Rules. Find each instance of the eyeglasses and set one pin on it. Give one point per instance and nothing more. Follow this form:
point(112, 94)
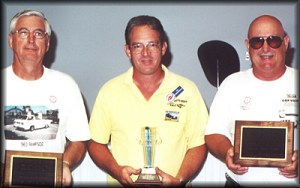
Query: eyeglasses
point(273, 41)
point(152, 47)
point(24, 33)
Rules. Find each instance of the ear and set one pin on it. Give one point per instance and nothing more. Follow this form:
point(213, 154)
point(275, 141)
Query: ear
point(247, 44)
point(164, 48)
point(48, 44)
point(127, 51)
point(286, 40)
point(10, 40)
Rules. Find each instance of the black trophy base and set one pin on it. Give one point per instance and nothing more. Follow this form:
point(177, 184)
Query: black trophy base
point(148, 180)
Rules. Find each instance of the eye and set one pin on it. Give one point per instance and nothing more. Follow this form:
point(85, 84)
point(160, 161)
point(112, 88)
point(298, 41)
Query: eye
point(153, 45)
point(38, 33)
point(23, 32)
point(137, 46)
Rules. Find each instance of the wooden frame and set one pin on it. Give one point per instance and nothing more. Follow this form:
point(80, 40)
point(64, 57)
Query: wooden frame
point(28, 169)
point(263, 143)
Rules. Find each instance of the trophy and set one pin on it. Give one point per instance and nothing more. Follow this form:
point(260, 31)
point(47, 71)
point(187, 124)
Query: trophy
point(148, 176)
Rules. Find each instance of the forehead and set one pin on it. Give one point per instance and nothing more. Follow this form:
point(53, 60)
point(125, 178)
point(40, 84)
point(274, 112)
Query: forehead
point(30, 22)
point(144, 33)
point(266, 27)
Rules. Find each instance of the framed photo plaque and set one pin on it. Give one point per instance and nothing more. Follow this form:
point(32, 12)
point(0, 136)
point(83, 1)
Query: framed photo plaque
point(263, 143)
point(32, 169)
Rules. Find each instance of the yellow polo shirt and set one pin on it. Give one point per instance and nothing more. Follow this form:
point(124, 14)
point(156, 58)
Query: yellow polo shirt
point(176, 109)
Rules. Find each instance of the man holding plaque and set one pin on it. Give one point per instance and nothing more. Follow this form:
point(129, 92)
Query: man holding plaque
point(147, 125)
point(265, 92)
point(43, 108)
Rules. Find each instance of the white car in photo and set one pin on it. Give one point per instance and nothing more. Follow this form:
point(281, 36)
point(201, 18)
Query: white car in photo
point(31, 123)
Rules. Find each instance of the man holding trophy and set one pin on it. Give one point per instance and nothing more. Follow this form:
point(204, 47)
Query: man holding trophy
point(147, 124)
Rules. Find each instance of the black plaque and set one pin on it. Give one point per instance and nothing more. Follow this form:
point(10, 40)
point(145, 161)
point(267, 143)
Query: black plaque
point(33, 169)
point(263, 143)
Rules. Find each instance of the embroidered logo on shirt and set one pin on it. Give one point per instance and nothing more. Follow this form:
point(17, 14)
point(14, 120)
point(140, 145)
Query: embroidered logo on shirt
point(172, 116)
point(246, 104)
point(172, 96)
point(288, 111)
point(53, 99)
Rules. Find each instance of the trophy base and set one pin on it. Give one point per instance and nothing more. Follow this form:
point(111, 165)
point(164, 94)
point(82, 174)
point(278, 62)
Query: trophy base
point(148, 178)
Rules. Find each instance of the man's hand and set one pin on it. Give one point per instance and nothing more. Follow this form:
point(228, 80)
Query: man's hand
point(167, 179)
point(124, 176)
point(291, 170)
point(235, 168)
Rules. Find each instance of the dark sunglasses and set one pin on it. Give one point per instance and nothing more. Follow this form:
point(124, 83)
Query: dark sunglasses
point(258, 42)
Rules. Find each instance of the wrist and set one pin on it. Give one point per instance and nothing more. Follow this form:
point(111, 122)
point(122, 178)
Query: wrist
point(66, 163)
point(182, 182)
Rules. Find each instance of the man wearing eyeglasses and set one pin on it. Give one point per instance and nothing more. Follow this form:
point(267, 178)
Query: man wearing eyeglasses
point(148, 101)
point(51, 96)
point(265, 92)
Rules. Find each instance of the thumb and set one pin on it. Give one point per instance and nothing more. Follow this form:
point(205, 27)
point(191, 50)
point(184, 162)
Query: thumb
point(158, 171)
point(230, 152)
point(136, 171)
point(295, 156)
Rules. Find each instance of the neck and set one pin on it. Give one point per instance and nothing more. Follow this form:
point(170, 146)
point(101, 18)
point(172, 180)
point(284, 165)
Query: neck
point(28, 72)
point(149, 79)
point(148, 84)
point(269, 75)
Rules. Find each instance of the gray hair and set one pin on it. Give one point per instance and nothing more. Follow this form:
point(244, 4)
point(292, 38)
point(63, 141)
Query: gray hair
point(39, 14)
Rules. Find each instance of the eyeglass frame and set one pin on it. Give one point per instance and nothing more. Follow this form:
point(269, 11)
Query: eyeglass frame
point(28, 33)
point(156, 46)
point(266, 39)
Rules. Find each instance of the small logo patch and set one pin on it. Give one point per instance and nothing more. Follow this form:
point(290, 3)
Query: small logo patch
point(171, 96)
point(172, 116)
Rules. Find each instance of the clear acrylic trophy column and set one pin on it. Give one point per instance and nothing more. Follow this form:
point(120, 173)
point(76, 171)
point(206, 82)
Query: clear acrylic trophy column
point(148, 176)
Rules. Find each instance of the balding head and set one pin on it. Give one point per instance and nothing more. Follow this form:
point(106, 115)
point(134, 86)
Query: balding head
point(266, 52)
point(265, 23)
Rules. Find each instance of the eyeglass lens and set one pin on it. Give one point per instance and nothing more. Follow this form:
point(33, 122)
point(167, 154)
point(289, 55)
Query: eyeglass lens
point(152, 47)
point(24, 33)
point(258, 42)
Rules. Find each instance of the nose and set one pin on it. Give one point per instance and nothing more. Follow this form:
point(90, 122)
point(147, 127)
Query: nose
point(265, 46)
point(31, 37)
point(145, 50)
